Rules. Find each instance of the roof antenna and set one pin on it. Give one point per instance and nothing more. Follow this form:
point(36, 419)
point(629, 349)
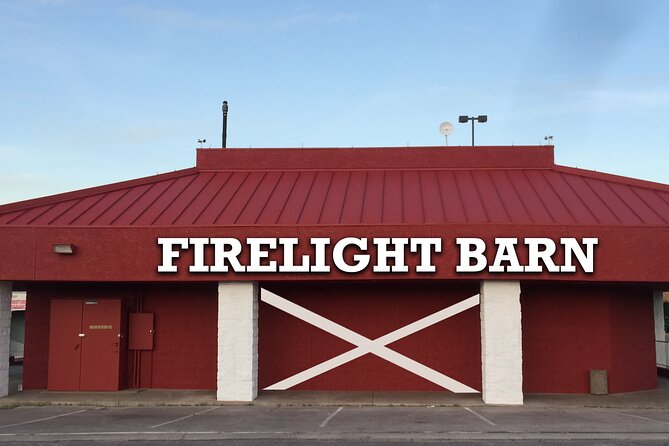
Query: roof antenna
point(225, 124)
point(446, 128)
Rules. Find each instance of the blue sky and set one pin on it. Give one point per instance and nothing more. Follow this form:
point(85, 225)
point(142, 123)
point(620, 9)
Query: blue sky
point(93, 92)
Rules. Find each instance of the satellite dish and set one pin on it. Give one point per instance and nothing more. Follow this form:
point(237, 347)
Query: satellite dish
point(446, 128)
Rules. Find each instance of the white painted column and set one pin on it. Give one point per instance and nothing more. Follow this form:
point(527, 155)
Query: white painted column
point(501, 342)
point(237, 341)
point(5, 325)
point(660, 347)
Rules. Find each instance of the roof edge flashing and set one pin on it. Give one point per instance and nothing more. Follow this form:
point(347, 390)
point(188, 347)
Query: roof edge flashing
point(88, 191)
point(483, 157)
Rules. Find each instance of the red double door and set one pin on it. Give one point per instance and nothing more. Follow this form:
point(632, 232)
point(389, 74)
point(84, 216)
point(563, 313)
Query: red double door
point(84, 344)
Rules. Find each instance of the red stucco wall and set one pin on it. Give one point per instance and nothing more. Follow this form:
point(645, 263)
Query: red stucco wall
point(570, 329)
point(36, 347)
point(567, 330)
point(184, 354)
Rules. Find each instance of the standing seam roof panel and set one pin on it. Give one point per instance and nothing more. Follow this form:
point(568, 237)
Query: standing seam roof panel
point(589, 199)
point(77, 210)
point(278, 198)
point(107, 205)
point(183, 199)
point(654, 199)
point(313, 205)
point(30, 215)
point(334, 200)
point(535, 207)
point(412, 198)
point(433, 208)
point(623, 212)
point(355, 198)
point(222, 198)
point(452, 203)
point(135, 208)
point(119, 203)
point(549, 197)
point(632, 200)
point(231, 212)
point(54, 212)
point(508, 196)
point(372, 208)
point(258, 201)
point(392, 197)
point(8, 217)
point(471, 200)
point(166, 199)
point(292, 210)
point(197, 205)
point(490, 197)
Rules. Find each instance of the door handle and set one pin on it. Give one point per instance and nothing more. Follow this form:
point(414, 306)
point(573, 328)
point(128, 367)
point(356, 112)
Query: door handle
point(81, 335)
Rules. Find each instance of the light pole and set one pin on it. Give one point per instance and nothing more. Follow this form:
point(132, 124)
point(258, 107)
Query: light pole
point(480, 118)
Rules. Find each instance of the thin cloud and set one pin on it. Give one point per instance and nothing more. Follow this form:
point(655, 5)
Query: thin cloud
point(315, 18)
point(611, 100)
point(182, 19)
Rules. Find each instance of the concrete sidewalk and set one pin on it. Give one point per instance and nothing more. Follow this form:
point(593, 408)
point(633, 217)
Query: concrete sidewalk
point(649, 399)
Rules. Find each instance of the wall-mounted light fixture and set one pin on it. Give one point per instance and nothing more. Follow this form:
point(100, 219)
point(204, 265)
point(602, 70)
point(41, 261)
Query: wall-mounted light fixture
point(63, 248)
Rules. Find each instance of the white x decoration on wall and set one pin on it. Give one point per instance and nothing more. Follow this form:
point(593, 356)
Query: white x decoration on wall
point(365, 345)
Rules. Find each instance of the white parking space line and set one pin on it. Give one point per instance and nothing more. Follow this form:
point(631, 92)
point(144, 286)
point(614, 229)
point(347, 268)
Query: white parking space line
point(480, 416)
point(149, 433)
point(643, 418)
point(184, 418)
point(331, 416)
point(42, 419)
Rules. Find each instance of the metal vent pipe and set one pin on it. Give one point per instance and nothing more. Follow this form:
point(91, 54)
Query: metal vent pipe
point(224, 137)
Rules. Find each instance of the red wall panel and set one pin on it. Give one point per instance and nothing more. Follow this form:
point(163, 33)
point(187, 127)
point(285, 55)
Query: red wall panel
point(632, 340)
point(36, 347)
point(184, 354)
point(288, 345)
point(570, 329)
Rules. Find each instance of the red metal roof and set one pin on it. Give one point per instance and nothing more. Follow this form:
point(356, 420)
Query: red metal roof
point(424, 185)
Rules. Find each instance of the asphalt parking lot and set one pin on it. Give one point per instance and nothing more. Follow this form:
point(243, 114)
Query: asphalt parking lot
point(251, 425)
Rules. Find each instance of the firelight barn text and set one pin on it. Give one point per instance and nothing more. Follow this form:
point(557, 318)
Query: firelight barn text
point(271, 255)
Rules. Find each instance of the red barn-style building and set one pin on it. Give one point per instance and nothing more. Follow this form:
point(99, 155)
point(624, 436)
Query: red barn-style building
point(343, 269)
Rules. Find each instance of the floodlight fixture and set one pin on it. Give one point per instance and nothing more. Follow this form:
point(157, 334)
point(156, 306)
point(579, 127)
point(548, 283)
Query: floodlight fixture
point(462, 119)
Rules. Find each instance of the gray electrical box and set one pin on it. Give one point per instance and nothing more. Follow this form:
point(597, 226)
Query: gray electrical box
point(599, 382)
